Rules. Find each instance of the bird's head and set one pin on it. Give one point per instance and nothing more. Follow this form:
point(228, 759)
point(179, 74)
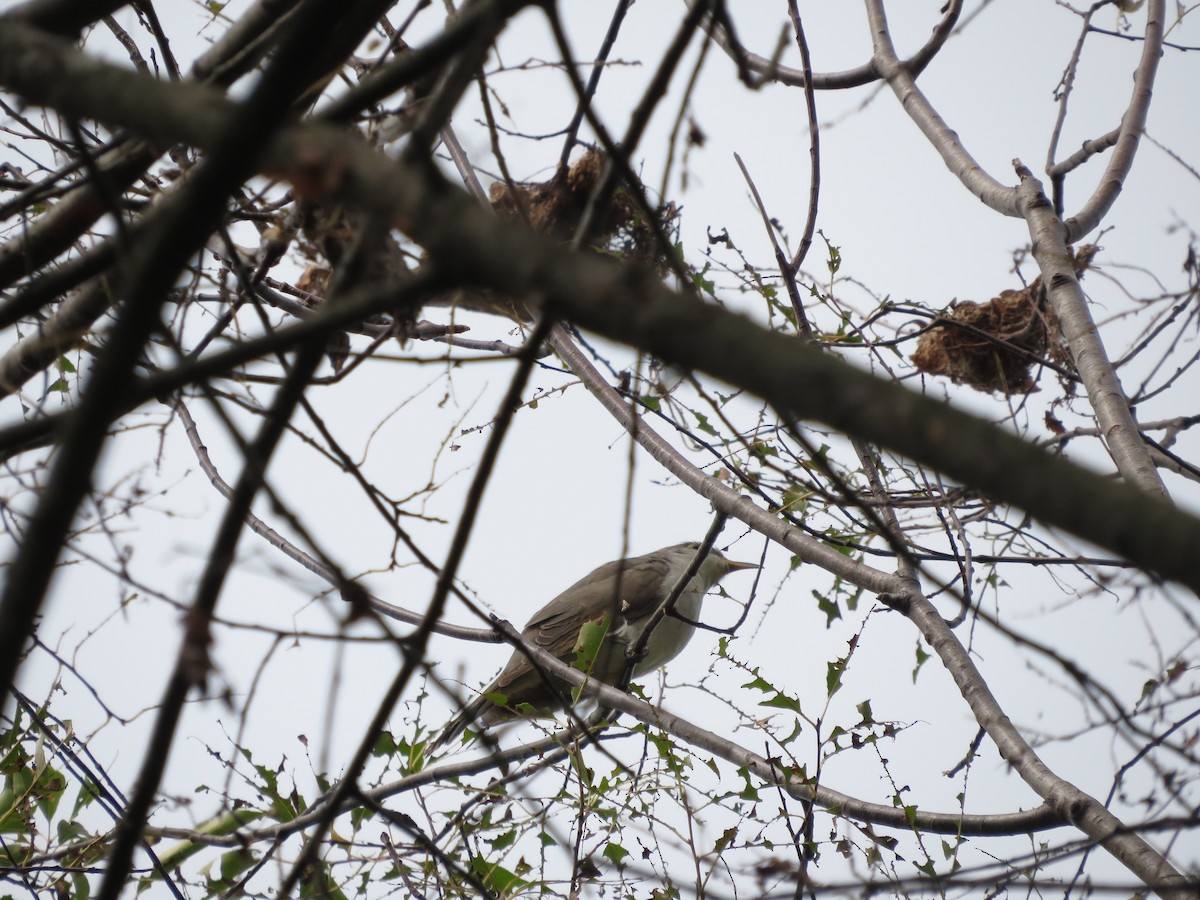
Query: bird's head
point(715, 566)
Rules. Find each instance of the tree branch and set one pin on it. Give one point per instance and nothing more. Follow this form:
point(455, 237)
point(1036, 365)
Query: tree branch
point(1107, 397)
point(634, 307)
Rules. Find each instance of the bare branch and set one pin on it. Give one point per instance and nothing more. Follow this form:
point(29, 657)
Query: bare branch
point(997, 196)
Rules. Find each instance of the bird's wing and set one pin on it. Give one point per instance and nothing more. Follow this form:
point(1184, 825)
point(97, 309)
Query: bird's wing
point(555, 627)
point(630, 589)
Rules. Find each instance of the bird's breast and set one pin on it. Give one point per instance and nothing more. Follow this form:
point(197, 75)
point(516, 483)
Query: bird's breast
point(669, 637)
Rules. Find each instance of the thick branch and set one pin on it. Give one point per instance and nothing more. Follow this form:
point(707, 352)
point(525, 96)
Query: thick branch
point(1074, 805)
point(1107, 397)
point(633, 307)
point(1130, 133)
point(65, 17)
point(772, 773)
point(999, 197)
point(723, 498)
point(849, 78)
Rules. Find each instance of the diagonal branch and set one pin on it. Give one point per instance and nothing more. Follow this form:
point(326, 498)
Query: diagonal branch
point(945, 141)
point(1050, 237)
point(850, 78)
point(1109, 185)
point(1113, 414)
point(634, 307)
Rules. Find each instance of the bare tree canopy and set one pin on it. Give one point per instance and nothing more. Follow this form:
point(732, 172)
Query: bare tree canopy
point(344, 339)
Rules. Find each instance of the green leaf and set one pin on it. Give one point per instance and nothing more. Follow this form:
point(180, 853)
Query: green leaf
point(833, 675)
point(829, 607)
point(651, 402)
point(359, 815)
point(796, 729)
point(505, 840)
point(778, 699)
point(88, 793)
point(728, 836)
point(749, 791)
point(762, 449)
point(80, 888)
point(496, 877)
point(235, 862)
point(703, 283)
point(834, 260)
point(864, 710)
point(782, 701)
point(498, 698)
point(50, 786)
point(760, 684)
point(587, 648)
point(702, 423)
point(796, 502)
point(385, 744)
point(921, 657)
point(69, 830)
point(666, 752)
point(615, 853)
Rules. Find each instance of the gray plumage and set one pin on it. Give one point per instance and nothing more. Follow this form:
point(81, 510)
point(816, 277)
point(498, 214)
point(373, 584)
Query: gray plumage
point(630, 590)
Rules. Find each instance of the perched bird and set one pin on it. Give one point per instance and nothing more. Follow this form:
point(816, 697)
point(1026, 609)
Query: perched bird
point(623, 595)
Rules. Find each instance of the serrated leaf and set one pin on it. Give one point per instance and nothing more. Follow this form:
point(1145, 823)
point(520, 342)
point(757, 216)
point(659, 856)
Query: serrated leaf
point(615, 853)
point(728, 836)
point(70, 830)
point(497, 877)
point(749, 791)
point(760, 684)
point(922, 656)
point(799, 726)
point(385, 744)
point(587, 647)
point(833, 675)
point(829, 607)
point(234, 863)
point(782, 701)
point(864, 710)
point(505, 840)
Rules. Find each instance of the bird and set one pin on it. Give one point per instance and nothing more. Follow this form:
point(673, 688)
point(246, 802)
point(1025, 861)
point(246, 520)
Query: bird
point(623, 595)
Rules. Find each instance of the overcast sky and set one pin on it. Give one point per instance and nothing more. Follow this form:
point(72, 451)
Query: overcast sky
point(568, 490)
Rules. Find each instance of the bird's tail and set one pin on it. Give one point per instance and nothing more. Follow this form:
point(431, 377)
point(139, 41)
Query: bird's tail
point(464, 717)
